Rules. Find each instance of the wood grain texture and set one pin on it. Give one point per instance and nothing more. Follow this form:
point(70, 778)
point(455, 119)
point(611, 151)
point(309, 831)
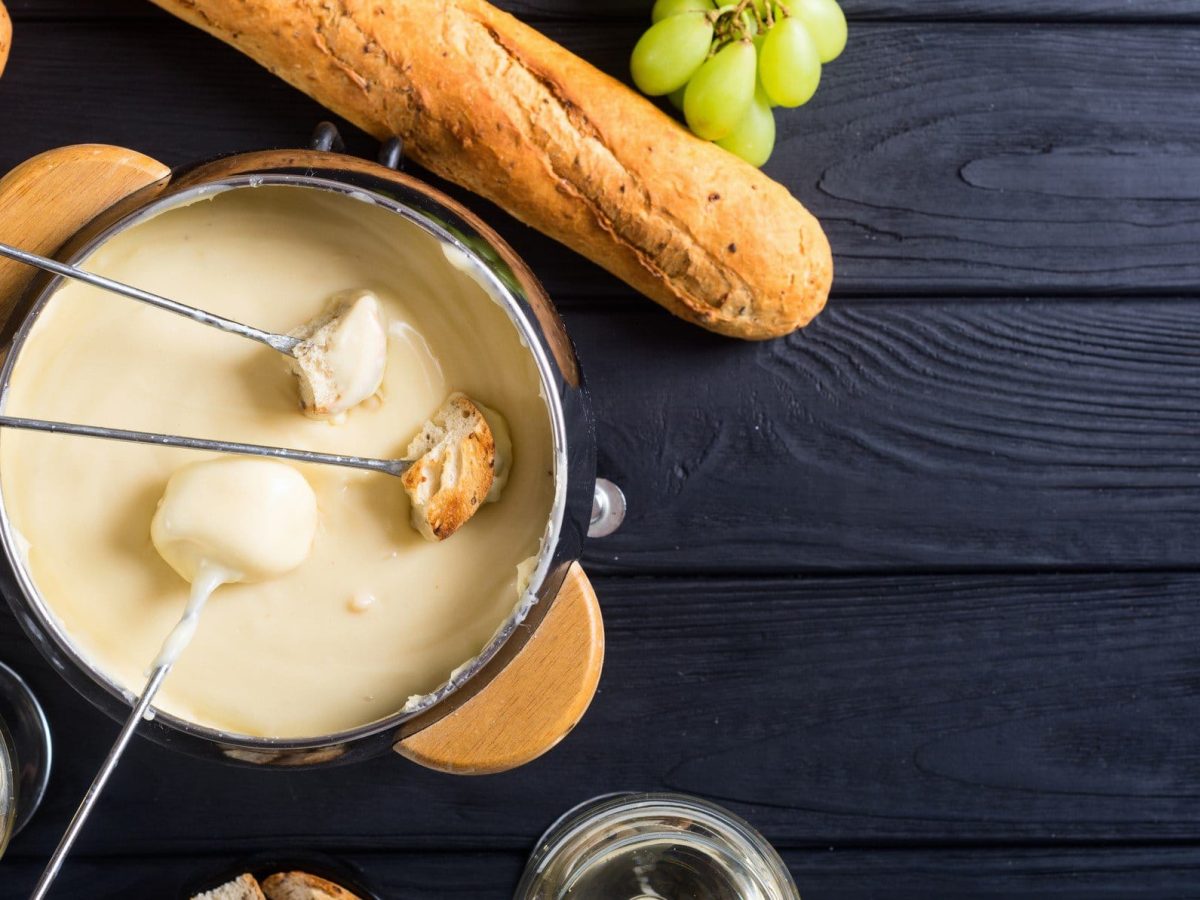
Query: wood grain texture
point(935, 436)
point(984, 710)
point(949, 159)
point(46, 199)
point(584, 12)
point(1082, 873)
point(533, 703)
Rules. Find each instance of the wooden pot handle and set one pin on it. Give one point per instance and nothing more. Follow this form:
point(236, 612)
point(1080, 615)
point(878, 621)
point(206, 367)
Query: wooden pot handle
point(533, 703)
point(46, 199)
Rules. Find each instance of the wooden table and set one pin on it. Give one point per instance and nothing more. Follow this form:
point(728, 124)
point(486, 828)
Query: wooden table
point(914, 590)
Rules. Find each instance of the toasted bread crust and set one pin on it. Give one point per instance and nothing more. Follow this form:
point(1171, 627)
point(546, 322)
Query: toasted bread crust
point(498, 108)
point(303, 886)
point(440, 505)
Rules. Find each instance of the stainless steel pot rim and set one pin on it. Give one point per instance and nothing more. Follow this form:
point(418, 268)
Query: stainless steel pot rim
point(483, 273)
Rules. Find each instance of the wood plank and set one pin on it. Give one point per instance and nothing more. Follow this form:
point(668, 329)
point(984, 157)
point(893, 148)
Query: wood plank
point(958, 435)
point(587, 11)
point(1086, 873)
point(984, 710)
point(947, 159)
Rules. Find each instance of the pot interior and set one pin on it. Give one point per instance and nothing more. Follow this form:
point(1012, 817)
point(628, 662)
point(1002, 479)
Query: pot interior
point(378, 625)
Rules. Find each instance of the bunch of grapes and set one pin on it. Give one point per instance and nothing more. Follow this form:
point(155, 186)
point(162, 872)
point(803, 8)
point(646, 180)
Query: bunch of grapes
point(726, 67)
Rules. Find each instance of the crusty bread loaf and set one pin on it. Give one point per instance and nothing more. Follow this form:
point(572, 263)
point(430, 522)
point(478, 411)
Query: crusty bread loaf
point(491, 104)
point(244, 887)
point(455, 465)
point(303, 886)
point(5, 36)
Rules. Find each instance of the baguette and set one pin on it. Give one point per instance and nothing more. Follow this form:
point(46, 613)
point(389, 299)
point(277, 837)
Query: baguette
point(492, 105)
point(5, 36)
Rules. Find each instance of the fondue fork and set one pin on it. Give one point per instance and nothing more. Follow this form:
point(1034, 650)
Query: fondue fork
point(159, 674)
point(386, 466)
point(285, 344)
point(89, 800)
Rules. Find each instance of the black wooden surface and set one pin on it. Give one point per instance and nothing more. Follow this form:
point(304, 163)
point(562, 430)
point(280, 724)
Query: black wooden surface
point(913, 590)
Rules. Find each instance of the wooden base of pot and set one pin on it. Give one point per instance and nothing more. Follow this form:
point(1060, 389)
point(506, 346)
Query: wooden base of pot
point(526, 708)
point(533, 703)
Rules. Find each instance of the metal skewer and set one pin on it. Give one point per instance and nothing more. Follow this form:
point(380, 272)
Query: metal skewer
point(281, 342)
point(159, 674)
point(93, 794)
point(386, 466)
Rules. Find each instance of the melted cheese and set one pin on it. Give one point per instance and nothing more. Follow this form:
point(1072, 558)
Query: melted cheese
point(226, 520)
point(287, 657)
point(254, 518)
point(341, 361)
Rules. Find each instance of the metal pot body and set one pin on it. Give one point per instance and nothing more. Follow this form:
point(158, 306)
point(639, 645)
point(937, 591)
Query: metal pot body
point(510, 283)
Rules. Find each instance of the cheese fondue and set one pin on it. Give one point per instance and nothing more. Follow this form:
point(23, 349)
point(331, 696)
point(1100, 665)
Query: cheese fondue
point(342, 357)
point(227, 520)
point(374, 614)
point(255, 518)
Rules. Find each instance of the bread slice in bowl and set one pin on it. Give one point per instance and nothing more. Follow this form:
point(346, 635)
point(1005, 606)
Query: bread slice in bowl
point(244, 887)
point(303, 886)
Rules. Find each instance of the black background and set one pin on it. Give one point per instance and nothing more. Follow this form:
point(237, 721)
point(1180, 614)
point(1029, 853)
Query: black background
point(913, 590)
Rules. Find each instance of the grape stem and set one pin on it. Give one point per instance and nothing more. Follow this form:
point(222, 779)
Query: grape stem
point(730, 23)
point(766, 17)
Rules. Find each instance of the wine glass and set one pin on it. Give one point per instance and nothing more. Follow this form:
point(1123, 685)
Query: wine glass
point(654, 846)
point(24, 754)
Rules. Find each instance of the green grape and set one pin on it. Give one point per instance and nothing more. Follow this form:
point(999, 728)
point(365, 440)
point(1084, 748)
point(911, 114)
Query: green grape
point(759, 39)
point(664, 9)
point(676, 98)
point(789, 66)
point(720, 92)
point(754, 137)
point(670, 52)
point(826, 24)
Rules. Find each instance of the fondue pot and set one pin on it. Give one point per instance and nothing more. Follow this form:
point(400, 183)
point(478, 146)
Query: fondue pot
point(534, 680)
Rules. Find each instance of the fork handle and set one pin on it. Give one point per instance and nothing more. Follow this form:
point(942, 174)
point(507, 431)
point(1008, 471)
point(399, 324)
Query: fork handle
point(386, 466)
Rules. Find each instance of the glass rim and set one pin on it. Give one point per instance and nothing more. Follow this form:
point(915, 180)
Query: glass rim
point(8, 788)
point(27, 747)
point(574, 826)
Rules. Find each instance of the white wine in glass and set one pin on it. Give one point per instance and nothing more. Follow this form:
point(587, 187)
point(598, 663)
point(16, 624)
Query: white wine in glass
point(24, 754)
point(654, 847)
